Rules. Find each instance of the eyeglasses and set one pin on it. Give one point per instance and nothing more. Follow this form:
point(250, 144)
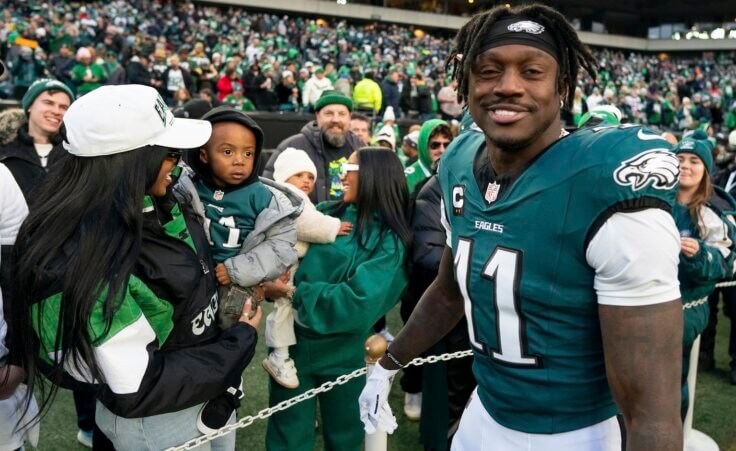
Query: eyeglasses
point(434, 145)
point(173, 155)
point(348, 167)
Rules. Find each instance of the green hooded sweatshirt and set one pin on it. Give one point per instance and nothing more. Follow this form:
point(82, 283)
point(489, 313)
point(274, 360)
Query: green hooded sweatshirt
point(338, 303)
point(422, 168)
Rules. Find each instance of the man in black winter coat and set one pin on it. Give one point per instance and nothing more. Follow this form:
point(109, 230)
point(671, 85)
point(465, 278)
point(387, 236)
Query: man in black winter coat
point(391, 94)
point(448, 385)
point(37, 145)
point(61, 65)
point(328, 141)
point(139, 72)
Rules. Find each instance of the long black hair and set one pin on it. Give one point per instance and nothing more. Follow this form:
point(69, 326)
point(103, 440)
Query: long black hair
point(382, 191)
point(81, 239)
point(573, 53)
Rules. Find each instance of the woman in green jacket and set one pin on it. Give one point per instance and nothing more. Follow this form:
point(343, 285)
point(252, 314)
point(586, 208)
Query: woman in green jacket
point(707, 245)
point(342, 288)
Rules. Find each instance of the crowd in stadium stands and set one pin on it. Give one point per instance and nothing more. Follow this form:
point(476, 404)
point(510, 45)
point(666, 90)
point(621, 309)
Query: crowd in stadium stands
point(358, 81)
point(273, 62)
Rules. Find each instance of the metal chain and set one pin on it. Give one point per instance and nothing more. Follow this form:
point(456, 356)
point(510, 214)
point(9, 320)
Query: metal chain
point(726, 284)
point(311, 393)
point(693, 304)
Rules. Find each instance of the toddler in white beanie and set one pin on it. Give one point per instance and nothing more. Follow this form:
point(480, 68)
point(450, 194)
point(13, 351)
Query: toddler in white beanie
point(295, 169)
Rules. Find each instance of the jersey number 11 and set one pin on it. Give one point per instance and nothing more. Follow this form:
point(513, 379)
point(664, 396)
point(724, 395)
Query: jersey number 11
point(503, 268)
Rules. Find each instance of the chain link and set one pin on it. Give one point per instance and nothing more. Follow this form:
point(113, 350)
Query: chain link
point(311, 393)
point(693, 304)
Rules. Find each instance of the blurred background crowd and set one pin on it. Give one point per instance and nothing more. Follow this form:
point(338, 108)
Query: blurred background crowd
point(269, 62)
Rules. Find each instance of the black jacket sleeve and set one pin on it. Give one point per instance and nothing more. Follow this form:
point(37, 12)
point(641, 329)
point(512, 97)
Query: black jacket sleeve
point(183, 378)
point(428, 240)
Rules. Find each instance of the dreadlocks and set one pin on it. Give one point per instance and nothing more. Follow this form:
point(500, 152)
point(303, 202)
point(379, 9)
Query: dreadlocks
point(573, 53)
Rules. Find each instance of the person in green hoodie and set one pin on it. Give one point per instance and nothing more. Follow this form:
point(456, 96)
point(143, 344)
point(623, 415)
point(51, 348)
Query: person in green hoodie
point(707, 241)
point(87, 75)
point(342, 288)
point(434, 137)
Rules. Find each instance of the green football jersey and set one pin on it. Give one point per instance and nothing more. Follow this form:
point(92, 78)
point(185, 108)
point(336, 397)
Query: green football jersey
point(520, 262)
point(230, 215)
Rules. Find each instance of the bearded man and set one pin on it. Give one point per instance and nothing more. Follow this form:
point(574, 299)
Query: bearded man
point(328, 141)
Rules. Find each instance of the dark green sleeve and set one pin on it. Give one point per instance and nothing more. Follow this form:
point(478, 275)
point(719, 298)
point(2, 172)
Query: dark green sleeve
point(714, 262)
point(354, 305)
point(708, 265)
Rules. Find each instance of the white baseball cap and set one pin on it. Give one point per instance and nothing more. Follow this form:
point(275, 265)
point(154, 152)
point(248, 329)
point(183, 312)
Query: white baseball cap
point(116, 119)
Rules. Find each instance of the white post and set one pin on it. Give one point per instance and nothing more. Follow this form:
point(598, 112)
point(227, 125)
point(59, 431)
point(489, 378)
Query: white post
point(375, 348)
point(695, 440)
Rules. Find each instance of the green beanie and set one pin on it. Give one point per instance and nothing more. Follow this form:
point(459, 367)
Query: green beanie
point(41, 85)
point(698, 144)
point(331, 97)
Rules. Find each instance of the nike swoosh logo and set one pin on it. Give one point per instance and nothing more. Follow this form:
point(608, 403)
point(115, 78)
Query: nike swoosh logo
point(647, 137)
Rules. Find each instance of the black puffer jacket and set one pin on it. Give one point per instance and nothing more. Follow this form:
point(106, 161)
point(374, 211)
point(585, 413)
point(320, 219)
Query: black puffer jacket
point(428, 243)
point(21, 158)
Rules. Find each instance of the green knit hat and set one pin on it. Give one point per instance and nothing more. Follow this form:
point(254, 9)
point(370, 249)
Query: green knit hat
point(697, 143)
point(332, 97)
point(41, 85)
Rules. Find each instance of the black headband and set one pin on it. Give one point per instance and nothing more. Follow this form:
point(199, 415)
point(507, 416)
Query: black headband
point(520, 30)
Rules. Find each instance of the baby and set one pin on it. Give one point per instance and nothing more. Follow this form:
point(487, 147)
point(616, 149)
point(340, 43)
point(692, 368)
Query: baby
point(296, 170)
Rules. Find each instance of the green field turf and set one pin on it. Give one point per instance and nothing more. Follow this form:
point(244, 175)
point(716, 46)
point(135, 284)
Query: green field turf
point(714, 408)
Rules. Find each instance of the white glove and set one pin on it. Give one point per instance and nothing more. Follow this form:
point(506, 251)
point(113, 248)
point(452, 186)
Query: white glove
point(375, 413)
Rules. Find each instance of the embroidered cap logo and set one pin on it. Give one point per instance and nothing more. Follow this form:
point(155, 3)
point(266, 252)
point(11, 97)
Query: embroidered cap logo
point(161, 109)
point(526, 26)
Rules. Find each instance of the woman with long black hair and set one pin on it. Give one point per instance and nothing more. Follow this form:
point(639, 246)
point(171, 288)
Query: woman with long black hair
point(114, 282)
point(342, 288)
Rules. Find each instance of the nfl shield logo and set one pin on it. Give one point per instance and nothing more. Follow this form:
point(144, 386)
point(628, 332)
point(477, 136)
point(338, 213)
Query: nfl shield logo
point(492, 192)
point(219, 195)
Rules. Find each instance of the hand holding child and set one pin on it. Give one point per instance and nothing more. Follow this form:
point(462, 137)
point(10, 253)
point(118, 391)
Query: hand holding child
point(255, 321)
point(221, 274)
point(345, 228)
point(275, 289)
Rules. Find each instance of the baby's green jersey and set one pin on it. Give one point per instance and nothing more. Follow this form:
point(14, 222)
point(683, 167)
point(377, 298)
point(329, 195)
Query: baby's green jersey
point(230, 215)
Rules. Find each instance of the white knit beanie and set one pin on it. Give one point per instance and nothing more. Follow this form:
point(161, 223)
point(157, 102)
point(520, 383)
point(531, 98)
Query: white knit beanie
point(386, 133)
point(389, 115)
point(292, 161)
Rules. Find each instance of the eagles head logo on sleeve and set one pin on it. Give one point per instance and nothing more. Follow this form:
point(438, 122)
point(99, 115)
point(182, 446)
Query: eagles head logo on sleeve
point(658, 168)
point(526, 26)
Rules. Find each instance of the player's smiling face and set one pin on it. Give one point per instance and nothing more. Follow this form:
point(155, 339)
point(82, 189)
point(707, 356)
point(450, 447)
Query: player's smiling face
point(513, 96)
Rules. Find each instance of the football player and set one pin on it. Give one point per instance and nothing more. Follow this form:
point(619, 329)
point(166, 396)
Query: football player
point(561, 252)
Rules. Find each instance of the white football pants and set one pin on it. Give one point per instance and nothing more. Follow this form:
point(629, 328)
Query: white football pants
point(478, 431)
